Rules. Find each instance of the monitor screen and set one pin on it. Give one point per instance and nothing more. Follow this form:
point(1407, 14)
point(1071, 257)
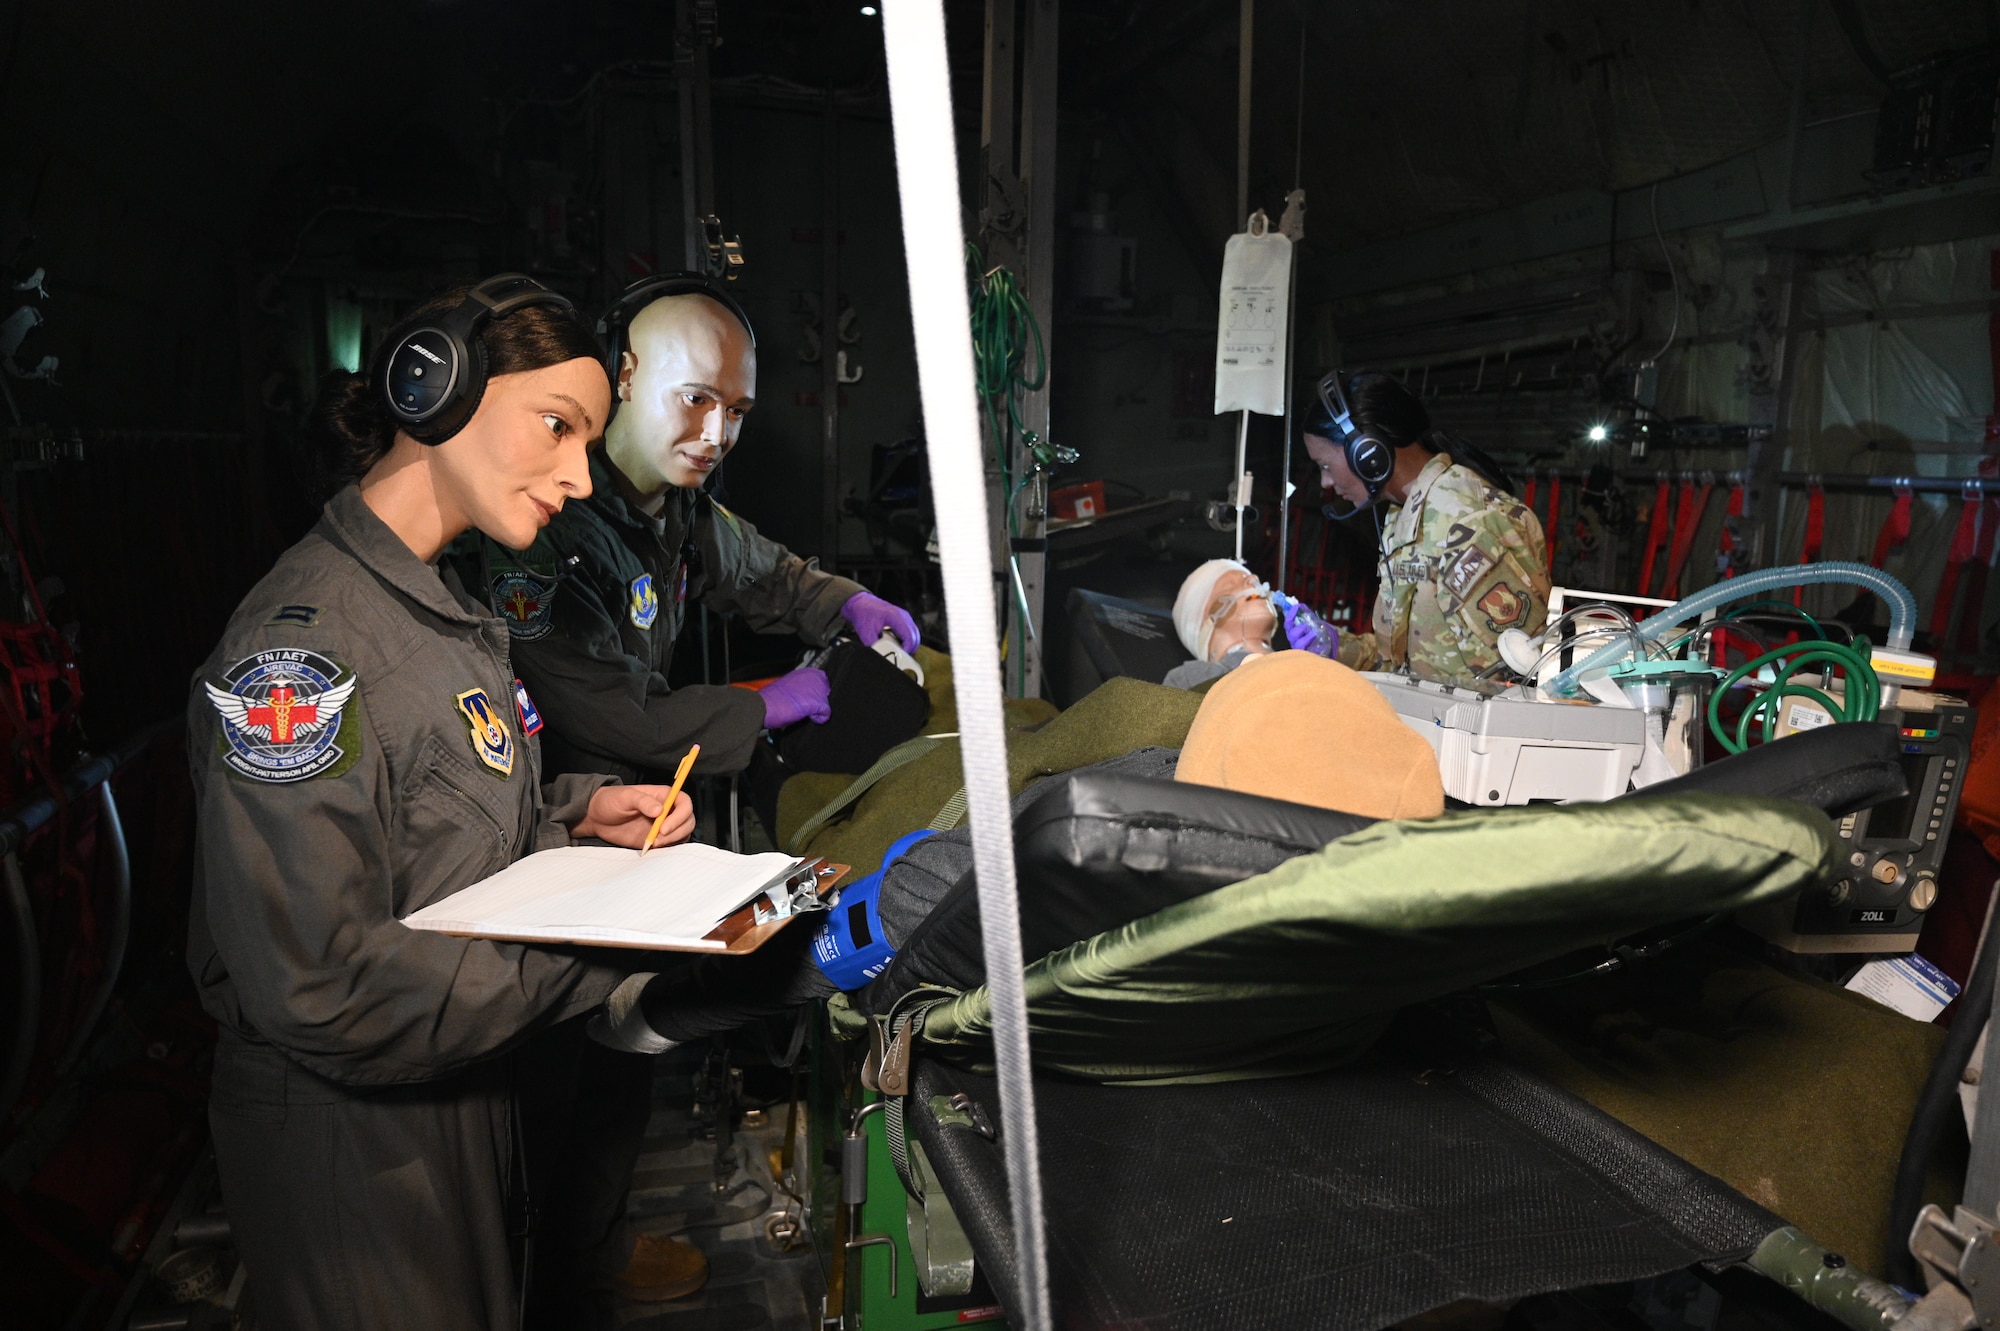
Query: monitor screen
point(1896, 820)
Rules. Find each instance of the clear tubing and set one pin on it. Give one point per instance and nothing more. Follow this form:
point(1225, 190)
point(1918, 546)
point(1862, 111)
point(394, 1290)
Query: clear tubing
point(1902, 609)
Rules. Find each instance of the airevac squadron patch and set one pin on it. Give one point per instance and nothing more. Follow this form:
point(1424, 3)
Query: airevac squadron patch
point(285, 715)
point(526, 602)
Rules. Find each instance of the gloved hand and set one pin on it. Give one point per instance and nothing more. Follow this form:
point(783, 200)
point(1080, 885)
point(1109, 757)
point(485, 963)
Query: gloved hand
point(869, 614)
point(803, 695)
point(1304, 629)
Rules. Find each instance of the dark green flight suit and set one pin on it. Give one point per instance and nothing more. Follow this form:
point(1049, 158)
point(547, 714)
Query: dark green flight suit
point(357, 753)
point(593, 638)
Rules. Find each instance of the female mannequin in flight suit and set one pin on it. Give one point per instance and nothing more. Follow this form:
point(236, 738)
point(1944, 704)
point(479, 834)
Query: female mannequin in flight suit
point(361, 748)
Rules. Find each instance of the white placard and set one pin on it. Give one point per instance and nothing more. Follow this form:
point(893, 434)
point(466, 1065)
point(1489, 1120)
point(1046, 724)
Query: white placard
point(1910, 984)
point(1250, 332)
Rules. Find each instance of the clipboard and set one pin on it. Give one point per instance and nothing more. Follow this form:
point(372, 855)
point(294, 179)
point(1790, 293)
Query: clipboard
point(759, 920)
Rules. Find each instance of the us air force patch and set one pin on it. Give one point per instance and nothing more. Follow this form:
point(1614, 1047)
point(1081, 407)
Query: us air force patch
point(645, 603)
point(284, 716)
point(491, 739)
point(526, 602)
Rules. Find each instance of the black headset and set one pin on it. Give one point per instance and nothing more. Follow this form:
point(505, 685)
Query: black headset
point(431, 371)
point(611, 327)
point(1370, 459)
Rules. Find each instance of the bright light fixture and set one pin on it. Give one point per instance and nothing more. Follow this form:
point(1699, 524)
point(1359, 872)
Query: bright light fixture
point(1598, 434)
point(868, 11)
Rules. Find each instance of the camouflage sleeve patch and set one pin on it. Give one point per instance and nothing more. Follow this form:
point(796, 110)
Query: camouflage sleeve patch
point(1461, 574)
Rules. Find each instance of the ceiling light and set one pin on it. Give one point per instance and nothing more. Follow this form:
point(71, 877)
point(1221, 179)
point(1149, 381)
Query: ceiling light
point(1599, 433)
point(868, 11)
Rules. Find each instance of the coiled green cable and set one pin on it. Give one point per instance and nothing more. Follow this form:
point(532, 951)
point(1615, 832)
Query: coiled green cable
point(1861, 700)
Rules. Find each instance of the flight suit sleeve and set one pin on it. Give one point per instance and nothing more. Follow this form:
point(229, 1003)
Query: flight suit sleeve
point(744, 573)
point(604, 700)
point(296, 890)
point(1494, 581)
point(565, 800)
point(1359, 652)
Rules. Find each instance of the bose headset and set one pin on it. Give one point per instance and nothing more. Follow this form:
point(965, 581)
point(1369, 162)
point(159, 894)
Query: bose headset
point(434, 370)
point(1371, 460)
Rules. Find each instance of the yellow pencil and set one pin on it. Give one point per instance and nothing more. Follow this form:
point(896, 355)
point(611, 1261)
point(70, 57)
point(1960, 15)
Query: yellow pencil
point(680, 778)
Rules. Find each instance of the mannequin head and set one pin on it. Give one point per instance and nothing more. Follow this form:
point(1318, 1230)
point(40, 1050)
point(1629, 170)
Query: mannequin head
point(520, 457)
point(686, 379)
point(1222, 606)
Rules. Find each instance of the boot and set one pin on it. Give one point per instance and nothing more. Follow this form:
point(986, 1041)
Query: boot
point(661, 1267)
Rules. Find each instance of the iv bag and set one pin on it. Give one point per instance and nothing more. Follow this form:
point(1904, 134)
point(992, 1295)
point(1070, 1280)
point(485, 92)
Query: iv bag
point(1250, 335)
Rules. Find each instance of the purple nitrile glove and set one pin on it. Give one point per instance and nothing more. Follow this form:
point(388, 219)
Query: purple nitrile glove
point(802, 695)
point(869, 614)
point(1305, 630)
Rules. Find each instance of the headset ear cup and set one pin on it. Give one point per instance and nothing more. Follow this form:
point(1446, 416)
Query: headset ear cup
point(1370, 462)
point(458, 412)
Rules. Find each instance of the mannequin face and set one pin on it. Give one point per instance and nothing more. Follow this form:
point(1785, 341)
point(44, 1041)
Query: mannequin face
point(524, 452)
point(1334, 474)
point(1246, 622)
point(685, 382)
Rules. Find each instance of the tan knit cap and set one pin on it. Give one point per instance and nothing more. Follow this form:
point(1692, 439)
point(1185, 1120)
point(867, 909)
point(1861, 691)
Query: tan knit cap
point(1295, 726)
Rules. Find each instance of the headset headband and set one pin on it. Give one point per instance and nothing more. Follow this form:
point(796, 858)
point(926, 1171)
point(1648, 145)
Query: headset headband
point(431, 370)
point(611, 327)
point(1371, 460)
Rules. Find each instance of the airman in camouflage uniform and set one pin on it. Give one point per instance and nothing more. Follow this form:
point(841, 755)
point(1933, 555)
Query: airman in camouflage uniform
point(1461, 560)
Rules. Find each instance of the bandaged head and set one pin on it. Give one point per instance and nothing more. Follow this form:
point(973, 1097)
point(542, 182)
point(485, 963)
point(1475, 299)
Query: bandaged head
point(1223, 605)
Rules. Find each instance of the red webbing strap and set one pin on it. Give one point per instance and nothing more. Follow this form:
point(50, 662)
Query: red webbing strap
point(1895, 527)
point(1554, 524)
point(1528, 494)
point(1656, 535)
point(1725, 543)
point(1815, 533)
point(1685, 523)
point(1964, 544)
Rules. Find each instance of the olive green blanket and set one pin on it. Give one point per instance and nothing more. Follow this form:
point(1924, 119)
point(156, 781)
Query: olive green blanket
point(1116, 718)
point(1300, 969)
point(1795, 1092)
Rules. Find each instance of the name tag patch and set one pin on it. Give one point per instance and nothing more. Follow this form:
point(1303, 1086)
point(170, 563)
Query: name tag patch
point(524, 706)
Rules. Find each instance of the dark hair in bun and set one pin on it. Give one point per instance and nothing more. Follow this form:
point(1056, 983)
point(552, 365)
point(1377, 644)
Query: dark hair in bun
point(353, 423)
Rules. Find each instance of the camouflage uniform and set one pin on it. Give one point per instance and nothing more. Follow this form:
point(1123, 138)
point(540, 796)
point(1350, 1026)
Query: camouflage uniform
point(1460, 561)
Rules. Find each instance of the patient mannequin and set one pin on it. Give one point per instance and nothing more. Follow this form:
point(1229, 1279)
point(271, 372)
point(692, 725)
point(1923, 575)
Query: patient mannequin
point(1224, 616)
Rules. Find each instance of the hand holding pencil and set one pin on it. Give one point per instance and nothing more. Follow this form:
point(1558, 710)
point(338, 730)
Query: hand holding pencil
point(680, 779)
point(639, 817)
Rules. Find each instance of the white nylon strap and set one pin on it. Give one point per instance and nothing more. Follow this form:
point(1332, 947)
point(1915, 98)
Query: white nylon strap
point(934, 246)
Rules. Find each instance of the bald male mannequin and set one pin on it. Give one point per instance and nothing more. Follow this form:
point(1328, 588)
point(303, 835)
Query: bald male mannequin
point(596, 605)
point(593, 609)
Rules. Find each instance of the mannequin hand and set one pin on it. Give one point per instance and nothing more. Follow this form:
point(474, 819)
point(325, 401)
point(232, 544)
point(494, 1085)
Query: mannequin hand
point(869, 614)
point(623, 815)
point(1305, 630)
point(802, 695)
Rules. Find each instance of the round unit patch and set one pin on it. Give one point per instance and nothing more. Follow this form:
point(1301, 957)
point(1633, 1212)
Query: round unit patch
point(282, 715)
point(525, 602)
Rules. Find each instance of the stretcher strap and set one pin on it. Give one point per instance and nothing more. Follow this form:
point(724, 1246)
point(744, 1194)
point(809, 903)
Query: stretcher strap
point(1964, 548)
point(1815, 534)
point(1895, 527)
point(907, 752)
point(1725, 544)
point(1686, 522)
point(1656, 534)
point(1554, 524)
point(927, 185)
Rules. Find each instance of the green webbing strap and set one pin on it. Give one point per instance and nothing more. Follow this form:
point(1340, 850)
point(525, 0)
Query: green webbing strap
point(907, 752)
point(952, 814)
